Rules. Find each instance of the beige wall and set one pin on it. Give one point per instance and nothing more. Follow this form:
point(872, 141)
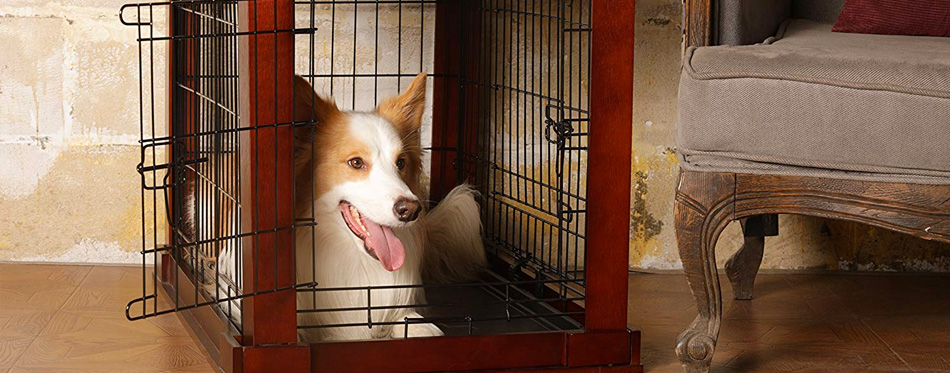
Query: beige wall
point(68, 133)
point(69, 127)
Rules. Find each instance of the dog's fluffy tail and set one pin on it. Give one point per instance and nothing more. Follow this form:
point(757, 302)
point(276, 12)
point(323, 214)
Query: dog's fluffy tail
point(454, 250)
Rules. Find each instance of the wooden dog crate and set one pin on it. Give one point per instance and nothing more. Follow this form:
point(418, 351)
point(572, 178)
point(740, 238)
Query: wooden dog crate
point(531, 102)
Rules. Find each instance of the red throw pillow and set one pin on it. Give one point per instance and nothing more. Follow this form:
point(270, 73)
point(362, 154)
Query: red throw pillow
point(895, 17)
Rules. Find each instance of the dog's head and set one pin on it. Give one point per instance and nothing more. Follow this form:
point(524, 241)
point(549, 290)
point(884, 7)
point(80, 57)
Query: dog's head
point(365, 165)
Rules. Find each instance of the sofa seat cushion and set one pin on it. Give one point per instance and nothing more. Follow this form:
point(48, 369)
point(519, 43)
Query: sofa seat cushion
point(813, 102)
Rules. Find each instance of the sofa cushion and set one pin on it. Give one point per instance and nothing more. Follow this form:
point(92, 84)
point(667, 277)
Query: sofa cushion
point(813, 102)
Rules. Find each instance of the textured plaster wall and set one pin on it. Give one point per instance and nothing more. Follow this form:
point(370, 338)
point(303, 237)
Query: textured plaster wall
point(70, 116)
point(804, 242)
point(69, 127)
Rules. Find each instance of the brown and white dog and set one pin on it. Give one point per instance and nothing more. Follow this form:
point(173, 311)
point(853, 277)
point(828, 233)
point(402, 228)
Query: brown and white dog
point(358, 175)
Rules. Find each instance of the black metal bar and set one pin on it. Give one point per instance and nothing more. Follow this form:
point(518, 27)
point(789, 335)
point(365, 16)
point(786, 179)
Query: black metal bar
point(532, 61)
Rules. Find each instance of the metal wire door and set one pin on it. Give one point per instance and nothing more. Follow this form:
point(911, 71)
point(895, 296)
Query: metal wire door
point(526, 148)
point(194, 172)
point(514, 88)
point(511, 80)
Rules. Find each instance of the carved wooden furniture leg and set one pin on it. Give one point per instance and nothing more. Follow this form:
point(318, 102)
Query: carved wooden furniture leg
point(744, 264)
point(705, 204)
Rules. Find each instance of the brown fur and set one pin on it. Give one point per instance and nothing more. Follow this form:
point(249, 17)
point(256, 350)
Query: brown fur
point(405, 113)
point(323, 147)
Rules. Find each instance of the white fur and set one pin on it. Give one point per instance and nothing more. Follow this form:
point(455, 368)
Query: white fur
point(454, 251)
point(341, 261)
point(227, 271)
point(445, 243)
point(375, 195)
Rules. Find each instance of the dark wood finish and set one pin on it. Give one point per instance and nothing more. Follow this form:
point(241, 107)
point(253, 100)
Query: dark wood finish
point(760, 226)
point(279, 358)
point(915, 209)
point(603, 369)
point(269, 342)
point(232, 355)
point(549, 350)
point(843, 322)
point(827, 322)
point(267, 70)
point(707, 202)
point(742, 266)
point(211, 328)
point(455, 97)
point(698, 28)
point(602, 348)
point(704, 205)
point(208, 323)
point(442, 354)
point(920, 210)
point(608, 164)
point(446, 97)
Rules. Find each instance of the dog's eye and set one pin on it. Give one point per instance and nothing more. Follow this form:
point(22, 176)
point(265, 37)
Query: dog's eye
point(356, 163)
point(401, 163)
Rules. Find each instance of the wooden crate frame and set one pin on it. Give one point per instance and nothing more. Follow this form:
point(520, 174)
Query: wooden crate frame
point(269, 339)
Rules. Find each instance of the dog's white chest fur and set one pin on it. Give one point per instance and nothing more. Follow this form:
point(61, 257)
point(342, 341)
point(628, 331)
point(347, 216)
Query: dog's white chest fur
point(338, 262)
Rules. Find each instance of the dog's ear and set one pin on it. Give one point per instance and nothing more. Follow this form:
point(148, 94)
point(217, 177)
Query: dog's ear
point(309, 106)
point(405, 111)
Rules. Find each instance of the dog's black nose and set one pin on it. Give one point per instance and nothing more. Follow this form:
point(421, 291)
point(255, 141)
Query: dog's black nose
point(406, 209)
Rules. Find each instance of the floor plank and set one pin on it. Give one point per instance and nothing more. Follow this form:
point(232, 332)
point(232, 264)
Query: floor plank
point(806, 323)
point(71, 318)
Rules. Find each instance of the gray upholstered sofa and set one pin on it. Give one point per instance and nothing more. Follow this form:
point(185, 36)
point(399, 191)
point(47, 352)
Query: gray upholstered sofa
point(777, 114)
point(808, 101)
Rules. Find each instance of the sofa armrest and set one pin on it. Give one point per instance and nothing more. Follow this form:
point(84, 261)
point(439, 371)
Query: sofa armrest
point(733, 22)
point(741, 22)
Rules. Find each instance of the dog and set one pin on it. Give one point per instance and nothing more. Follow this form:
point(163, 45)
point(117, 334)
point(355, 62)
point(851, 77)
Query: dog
point(358, 176)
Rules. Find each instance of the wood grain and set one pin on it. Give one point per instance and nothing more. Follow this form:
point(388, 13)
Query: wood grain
point(608, 164)
point(267, 69)
point(915, 209)
point(817, 322)
point(442, 354)
point(87, 330)
point(704, 205)
point(706, 202)
point(446, 98)
point(834, 322)
point(698, 28)
point(742, 266)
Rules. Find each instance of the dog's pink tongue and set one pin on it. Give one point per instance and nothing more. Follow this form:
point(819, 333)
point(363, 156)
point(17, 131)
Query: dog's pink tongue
point(387, 246)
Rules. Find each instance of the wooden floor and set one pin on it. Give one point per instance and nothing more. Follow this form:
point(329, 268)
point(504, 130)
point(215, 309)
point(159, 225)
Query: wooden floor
point(71, 318)
point(806, 323)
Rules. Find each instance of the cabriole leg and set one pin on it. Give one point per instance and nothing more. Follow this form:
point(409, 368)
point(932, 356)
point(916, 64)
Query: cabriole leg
point(742, 266)
point(704, 206)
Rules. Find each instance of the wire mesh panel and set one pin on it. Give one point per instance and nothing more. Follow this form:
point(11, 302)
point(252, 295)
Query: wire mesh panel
point(521, 141)
point(194, 170)
point(511, 78)
point(526, 148)
point(206, 195)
